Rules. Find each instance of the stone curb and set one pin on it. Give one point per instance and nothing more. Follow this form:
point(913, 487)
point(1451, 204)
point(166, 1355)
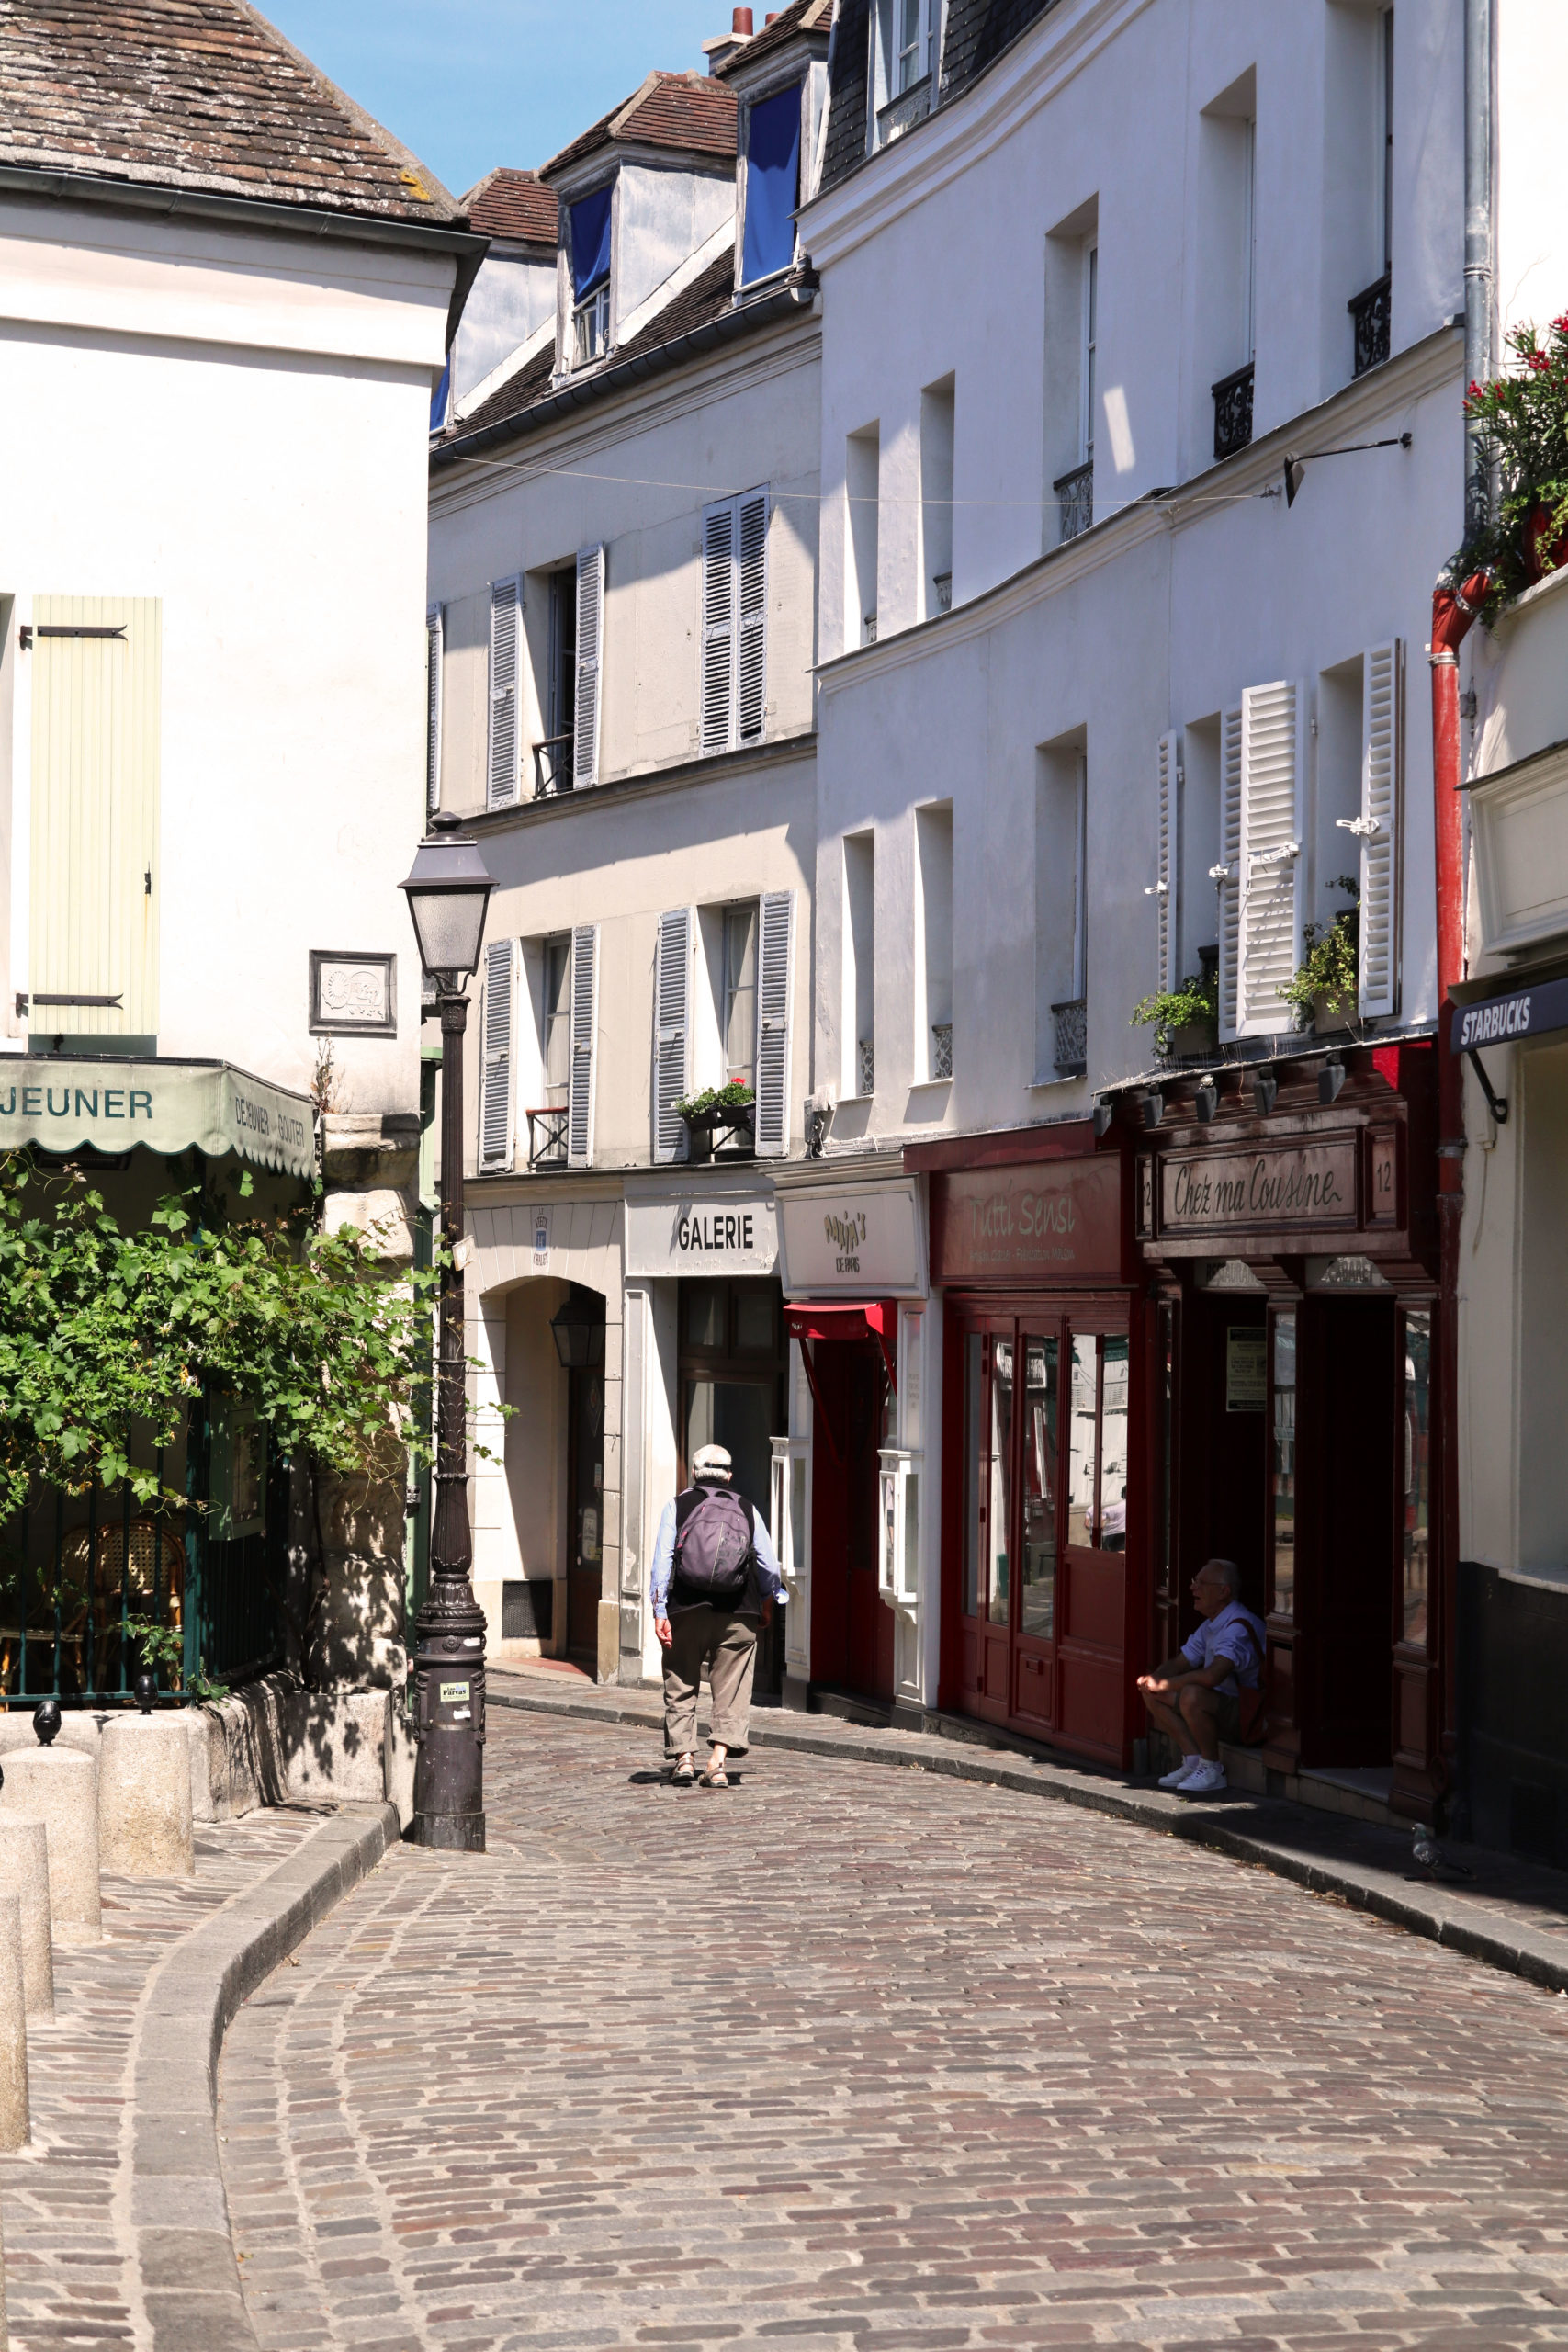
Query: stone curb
point(1456, 1920)
point(187, 2273)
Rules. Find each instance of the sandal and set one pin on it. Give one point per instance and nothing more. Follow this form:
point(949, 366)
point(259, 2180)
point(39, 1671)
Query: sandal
point(685, 1773)
point(712, 1779)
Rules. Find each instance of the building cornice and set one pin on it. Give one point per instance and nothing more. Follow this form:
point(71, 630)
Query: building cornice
point(962, 132)
point(1385, 391)
point(713, 767)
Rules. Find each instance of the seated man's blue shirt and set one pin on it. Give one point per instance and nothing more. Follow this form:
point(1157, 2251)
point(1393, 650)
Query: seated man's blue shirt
point(1236, 1635)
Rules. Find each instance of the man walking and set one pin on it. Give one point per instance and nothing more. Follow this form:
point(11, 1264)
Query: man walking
point(713, 1581)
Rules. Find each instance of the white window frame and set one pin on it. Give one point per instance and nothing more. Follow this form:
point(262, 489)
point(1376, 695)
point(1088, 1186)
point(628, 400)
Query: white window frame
point(591, 326)
point(1249, 228)
point(1090, 349)
point(434, 643)
point(1385, 158)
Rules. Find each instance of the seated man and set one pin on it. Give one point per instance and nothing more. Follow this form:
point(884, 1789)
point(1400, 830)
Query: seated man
point(1196, 1696)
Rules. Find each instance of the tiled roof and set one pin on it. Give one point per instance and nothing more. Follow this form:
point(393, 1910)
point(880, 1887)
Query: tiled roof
point(977, 32)
point(800, 17)
point(692, 112)
point(197, 94)
point(516, 205)
point(708, 298)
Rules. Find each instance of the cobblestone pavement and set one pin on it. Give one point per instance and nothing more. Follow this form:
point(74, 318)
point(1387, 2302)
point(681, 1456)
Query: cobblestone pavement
point(69, 2281)
point(848, 2059)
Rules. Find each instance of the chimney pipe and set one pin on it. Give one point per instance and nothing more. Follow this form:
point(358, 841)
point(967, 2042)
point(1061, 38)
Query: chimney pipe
point(741, 23)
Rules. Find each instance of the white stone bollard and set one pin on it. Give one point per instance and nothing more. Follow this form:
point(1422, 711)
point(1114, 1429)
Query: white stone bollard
point(14, 2126)
point(59, 1786)
point(24, 1868)
point(144, 1807)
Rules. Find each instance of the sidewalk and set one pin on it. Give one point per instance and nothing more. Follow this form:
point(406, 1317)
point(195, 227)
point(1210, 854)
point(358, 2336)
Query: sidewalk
point(117, 2228)
point(1511, 1914)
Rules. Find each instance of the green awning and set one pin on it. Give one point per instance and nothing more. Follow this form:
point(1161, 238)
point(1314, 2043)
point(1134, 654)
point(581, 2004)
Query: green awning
point(60, 1104)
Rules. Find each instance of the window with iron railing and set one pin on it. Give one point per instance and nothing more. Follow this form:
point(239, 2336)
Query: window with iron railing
point(591, 326)
point(1074, 500)
point(1232, 411)
point(1072, 1036)
point(1372, 314)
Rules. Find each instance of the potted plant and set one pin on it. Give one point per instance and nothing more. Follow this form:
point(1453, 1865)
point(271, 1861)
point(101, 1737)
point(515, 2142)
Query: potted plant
point(1523, 414)
point(719, 1110)
point(1326, 988)
point(1186, 1019)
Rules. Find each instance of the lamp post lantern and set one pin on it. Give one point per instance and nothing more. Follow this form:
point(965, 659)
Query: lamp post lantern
point(448, 892)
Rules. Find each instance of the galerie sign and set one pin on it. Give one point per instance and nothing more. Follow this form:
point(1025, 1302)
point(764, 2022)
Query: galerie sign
point(1306, 1184)
point(694, 1233)
point(1054, 1220)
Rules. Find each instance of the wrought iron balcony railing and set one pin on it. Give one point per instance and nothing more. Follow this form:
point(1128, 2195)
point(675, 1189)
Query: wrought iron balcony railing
point(942, 581)
point(941, 1049)
point(1232, 411)
point(902, 113)
point(1075, 492)
point(552, 765)
point(1371, 314)
point(865, 1064)
point(1072, 1036)
point(547, 1135)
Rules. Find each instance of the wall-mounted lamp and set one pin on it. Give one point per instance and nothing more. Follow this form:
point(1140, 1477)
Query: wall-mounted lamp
point(1207, 1101)
point(1295, 468)
point(1151, 1102)
point(1265, 1089)
point(1104, 1113)
point(1330, 1080)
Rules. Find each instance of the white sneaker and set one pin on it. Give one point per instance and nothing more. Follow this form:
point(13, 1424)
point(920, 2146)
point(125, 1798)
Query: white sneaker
point(1182, 1774)
point(1205, 1781)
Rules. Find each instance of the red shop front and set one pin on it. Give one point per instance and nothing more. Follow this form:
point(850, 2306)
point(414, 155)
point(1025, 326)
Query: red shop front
point(1044, 1551)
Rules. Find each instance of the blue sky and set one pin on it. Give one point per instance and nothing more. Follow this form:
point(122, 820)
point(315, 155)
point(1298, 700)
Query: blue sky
point(469, 83)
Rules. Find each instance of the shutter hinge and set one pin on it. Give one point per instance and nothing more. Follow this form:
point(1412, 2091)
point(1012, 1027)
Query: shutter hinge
point(24, 637)
point(147, 883)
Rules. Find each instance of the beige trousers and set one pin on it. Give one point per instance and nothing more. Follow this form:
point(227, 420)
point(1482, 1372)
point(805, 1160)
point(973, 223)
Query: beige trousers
point(723, 1642)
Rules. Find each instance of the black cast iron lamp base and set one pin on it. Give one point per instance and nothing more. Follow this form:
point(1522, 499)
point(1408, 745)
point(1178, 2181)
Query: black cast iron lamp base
point(448, 892)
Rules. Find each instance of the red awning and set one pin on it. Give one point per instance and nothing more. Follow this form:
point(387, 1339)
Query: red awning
point(868, 1318)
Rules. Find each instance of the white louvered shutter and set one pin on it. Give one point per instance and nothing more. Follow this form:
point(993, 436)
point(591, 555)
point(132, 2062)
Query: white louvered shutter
point(1166, 891)
point(1376, 828)
point(505, 645)
point(774, 960)
point(718, 625)
point(590, 656)
point(435, 638)
point(1272, 867)
point(584, 1026)
point(495, 1082)
point(1226, 875)
point(751, 661)
point(671, 1029)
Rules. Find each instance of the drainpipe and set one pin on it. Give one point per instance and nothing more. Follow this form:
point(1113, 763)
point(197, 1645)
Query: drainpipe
point(1454, 611)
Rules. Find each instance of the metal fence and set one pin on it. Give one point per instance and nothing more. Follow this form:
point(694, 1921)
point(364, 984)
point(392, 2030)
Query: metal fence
point(77, 1572)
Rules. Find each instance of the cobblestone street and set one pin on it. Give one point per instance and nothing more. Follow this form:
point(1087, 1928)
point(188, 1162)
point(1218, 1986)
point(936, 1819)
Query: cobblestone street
point(843, 2059)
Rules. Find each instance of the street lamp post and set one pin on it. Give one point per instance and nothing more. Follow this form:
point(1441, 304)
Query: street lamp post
point(448, 891)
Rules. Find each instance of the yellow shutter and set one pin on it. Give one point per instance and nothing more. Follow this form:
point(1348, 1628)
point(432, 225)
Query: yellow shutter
point(95, 879)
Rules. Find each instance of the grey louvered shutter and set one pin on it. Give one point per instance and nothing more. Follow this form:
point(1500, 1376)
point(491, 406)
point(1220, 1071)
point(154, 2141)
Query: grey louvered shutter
point(1272, 866)
point(718, 626)
point(751, 661)
point(1165, 892)
point(434, 639)
point(590, 663)
point(495, 1082)
point(584, 1028)
point(775, 956)
point(1377, 830)
point(1227, 876)
point(671, 1031)
point(505, 645)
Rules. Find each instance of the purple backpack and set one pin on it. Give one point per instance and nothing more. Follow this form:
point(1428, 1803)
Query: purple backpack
point(714, 1547)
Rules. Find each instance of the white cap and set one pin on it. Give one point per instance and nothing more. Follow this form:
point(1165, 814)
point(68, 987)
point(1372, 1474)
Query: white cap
point(710, 1462)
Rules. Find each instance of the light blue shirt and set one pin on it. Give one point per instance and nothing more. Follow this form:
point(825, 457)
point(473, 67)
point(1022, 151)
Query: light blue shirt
point(767, 1570)
point(1237, 1635)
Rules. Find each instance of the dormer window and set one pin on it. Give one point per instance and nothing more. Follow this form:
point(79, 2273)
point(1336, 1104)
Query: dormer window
point(589, 229)
point(772, 185)
point(908, 56)
point(910, 59)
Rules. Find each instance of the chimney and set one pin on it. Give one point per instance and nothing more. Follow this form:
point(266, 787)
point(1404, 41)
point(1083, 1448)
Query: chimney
point(719, 51)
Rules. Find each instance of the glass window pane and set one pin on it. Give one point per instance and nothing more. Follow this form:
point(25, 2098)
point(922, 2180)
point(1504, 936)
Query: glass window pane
point(705, 1304)
point(1417, 1475)
point(1038, 1607)
point(911, 1531)
point(1167, 1381)
point(1114, 1448)
point(736, 1414)
point(557, 1060)
point(754, 1323)
point(974, 1449)
point(1000, 1529)
point(740, 994)
point(1285, 1462)
point(1083, 1461)
point(797, 1513)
